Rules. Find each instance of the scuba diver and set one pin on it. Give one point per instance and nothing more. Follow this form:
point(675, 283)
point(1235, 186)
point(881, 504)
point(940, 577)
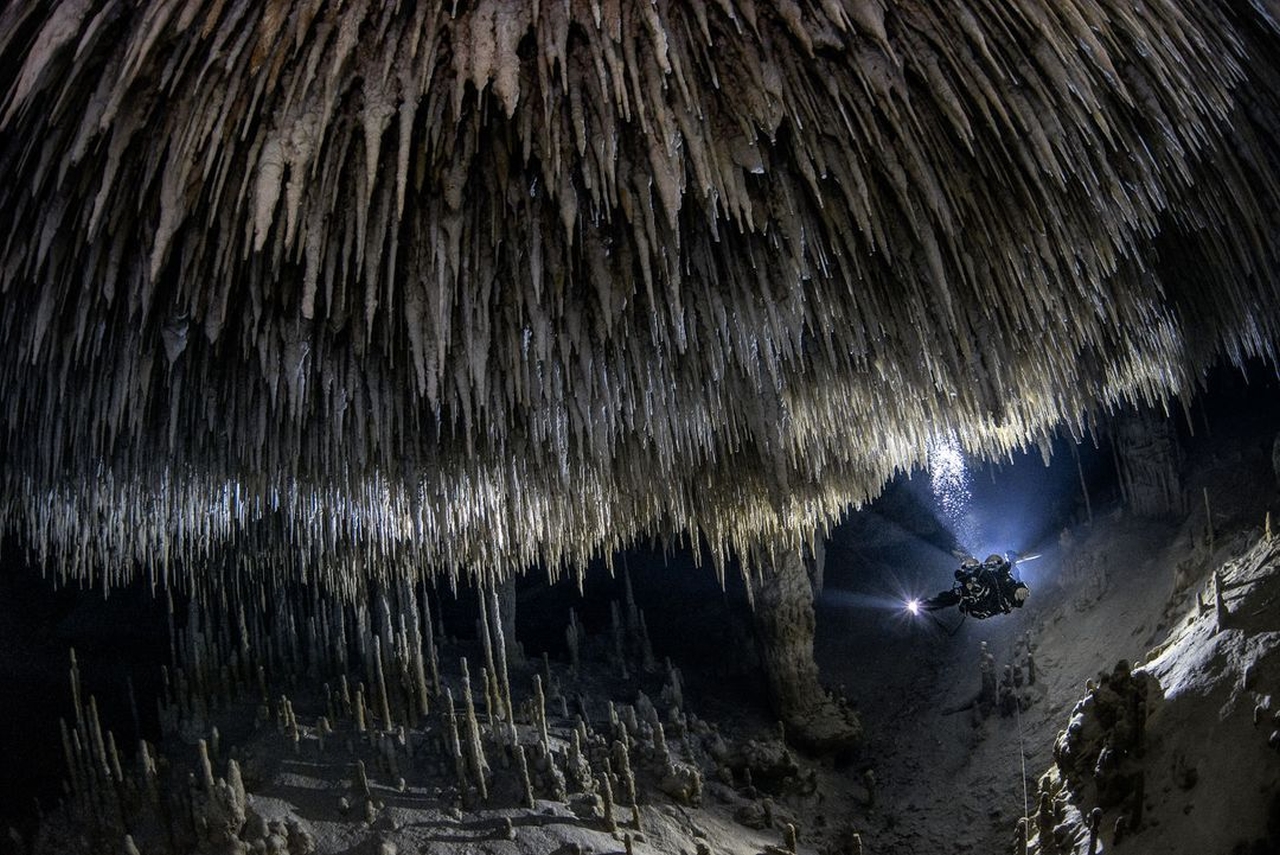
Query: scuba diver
point(981, 589)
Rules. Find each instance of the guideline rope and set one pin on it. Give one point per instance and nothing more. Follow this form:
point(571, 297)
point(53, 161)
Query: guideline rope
point(1026, 804)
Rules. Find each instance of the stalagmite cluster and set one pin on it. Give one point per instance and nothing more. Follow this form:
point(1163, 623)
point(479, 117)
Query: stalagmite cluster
point(296, 701)
point(327, 290)
point(1099, 754)
point(1172, 755)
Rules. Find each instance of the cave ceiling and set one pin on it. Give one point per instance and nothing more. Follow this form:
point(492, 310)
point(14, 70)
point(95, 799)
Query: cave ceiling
point(351, 289)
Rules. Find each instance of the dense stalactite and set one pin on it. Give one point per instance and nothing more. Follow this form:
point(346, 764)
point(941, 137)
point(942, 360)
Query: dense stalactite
point(410, 288)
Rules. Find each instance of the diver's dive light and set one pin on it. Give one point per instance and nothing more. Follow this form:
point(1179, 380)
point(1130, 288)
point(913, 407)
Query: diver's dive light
point(913, 606)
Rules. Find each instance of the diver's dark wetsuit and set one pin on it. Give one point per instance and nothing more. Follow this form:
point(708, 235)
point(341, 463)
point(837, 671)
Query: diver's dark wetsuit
point(982, 590)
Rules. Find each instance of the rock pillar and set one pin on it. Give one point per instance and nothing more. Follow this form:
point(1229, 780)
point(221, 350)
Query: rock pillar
point(506, 590)
point(1149, 460)
point(784, 623)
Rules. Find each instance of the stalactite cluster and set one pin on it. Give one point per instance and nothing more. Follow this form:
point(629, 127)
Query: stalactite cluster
point(359, 287)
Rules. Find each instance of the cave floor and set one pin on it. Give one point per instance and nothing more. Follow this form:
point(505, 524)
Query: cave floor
point(953, 781)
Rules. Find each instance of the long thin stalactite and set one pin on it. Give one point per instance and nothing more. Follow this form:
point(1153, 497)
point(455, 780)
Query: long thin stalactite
point(389, 289)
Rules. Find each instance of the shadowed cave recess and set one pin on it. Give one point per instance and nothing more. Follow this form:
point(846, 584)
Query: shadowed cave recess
point(522, 427)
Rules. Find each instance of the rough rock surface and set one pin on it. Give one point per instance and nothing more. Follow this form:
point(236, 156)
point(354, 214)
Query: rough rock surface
point(784, 620)
point(1207, 775)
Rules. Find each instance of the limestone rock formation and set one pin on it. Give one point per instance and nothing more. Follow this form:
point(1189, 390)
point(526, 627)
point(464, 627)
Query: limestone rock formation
point(1150, 463)
point(352, 294)
point(1100, 751)
point(784, 620)
point(444, 287)
point(1174, 755)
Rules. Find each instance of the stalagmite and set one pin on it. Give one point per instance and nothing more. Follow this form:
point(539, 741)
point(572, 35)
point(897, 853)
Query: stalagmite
point(578, 769)
point(479, 767)
point(455, 742)
point(1021, 836)
point(101, 768)
point(362, 779)
point(360, 712)
point(606, 794)
point(1045, 821)
point(490, 701)
point(630, 722)
point(673, 691)
point(489, 673)
point(433, 656)
point(1095, 826)
point(206, 768)
point(622, 760)
point(384, 706)
point(348, 708)
point(1208, 522)
point(69, 756)
point(503, 644)
point(1220, 613)
point(784, 624)
point(505, 607)
point(522, 765)
point(540, 711)
point(647, 661)
point(572, 634)
point(619, 646)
